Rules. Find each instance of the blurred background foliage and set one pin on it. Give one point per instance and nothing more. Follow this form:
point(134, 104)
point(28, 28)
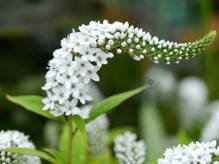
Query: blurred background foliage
point(31, 30)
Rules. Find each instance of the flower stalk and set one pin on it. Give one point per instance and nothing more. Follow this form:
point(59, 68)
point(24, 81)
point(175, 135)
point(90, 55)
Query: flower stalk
point(71, 137)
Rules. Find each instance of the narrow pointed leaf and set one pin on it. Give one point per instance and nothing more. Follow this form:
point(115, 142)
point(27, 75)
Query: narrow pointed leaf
point(112, 102)
point(55, 154)
point(152, 131)
point(79, 149)
point(34, 104)
point(64, 141)
point(33, 152)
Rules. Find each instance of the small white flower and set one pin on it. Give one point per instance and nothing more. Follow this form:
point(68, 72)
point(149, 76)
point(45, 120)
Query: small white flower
point(119, 51)
point(131, 50)
point(152, 49)
point(51, 82)
point(83, 96)
point(92, 74)
point(75, 88)
point(124, 44)
point(67, 79)
point(137, 58)
point(49, 101)
point(101, 58)
point(108, 47)
point(70, 108)
point(61, 94)
point(82, 66)
point(129, 41)
point(57, 110)
point(69, 66)
point(89, 54)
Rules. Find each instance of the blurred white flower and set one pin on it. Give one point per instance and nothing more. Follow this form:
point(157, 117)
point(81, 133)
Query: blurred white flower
point(13, 138)
point(97, 131)
point(211, 129)
point(164, 83)
point(195, 153)
point(95, 92)
point(128, 150)
point(51, 133)
point(193, 96)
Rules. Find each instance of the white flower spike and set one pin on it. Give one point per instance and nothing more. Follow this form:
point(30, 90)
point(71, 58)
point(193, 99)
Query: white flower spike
point(195, 153)
point(128, 150)
point(13, 138)
point(83, 53)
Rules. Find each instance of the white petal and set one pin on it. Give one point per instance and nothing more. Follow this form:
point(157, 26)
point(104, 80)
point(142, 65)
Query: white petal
point(74, 79)
point(88, 98)
point(82, 100)
point(68, 84)
point(83, 72)
point(86, 79)
point(95, 77)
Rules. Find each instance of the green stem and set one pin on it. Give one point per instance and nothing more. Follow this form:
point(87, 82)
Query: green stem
point(71, 135)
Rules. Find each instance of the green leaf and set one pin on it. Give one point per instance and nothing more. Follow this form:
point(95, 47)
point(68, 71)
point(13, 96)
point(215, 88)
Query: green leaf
point(104, 158)
point(79, 149)
point(34, 104)
point(55, 154)
point(152, 162)
point(64, 141)
point(152, 131)
point(80, 124)
point(33, 152)
point(113, 133)
point(112, 102)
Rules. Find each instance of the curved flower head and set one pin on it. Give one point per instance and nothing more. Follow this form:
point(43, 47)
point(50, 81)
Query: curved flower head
point(83, 53)
point(13, 138)
point(197, 153)
point(129, 150)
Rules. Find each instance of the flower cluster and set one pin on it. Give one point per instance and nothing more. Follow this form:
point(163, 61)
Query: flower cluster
point(211, 130)
point(202, 153)
point(14, 138)
point(83, 53)
point(128, 150)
